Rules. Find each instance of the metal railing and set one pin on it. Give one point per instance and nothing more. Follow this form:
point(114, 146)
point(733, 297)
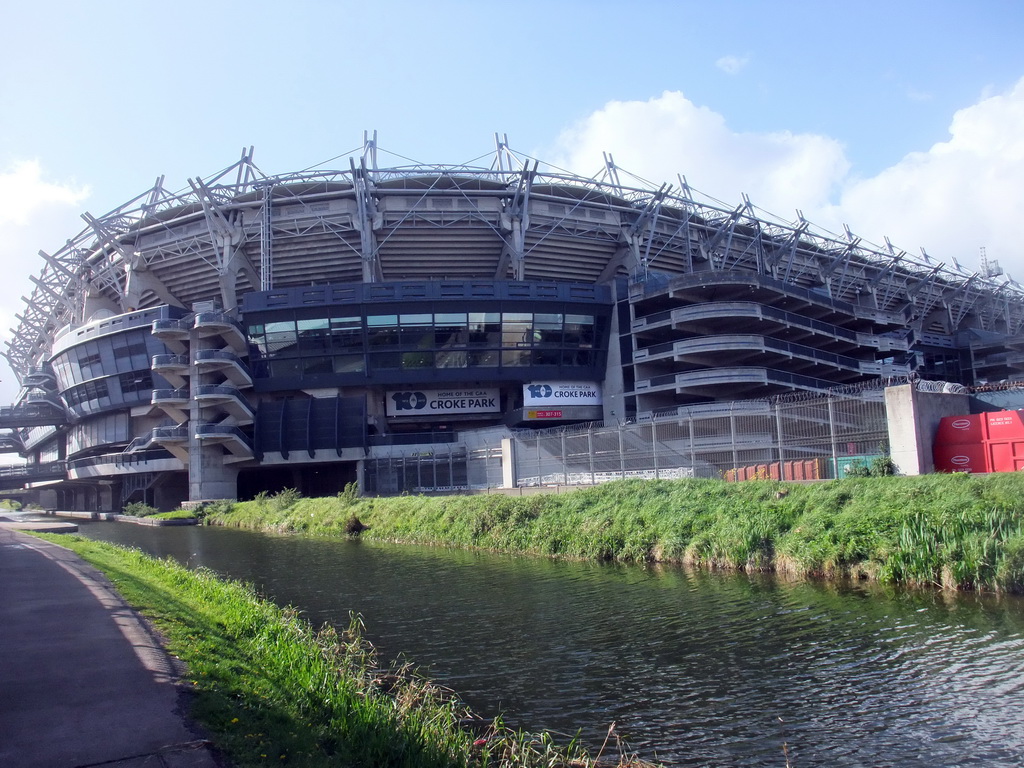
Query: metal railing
point(811, 438)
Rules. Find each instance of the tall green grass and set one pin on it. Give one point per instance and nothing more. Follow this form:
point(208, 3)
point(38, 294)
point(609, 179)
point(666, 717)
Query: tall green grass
point(958, 531)
point(271, 690)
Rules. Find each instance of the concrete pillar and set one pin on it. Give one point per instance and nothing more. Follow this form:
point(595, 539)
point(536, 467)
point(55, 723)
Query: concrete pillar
point(913, 419)
point(208, 476)
point(508, 463)
point(613, 388)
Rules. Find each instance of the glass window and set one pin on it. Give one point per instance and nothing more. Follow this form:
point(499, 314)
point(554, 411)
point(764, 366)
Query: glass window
point(313, 365)
point(134, 354)
point(450, 358)
point(485, 358)
point(516, 330)
point(136, 381)
point(257, 343)
point(349, 363)
point(515, 357)
point(417, 359)
point(578, 357)
point(382, 330)
point(312, 324)
point(90, 364)
point(485, 328)
point(450, 330)
point(346, 334)
point(285, 367)
point(547, 330)
point(547, 321)
point(380, 361)
point(417, 331)
point(313, 334)
point(416, 319)
point(281, 337)
point(579, 330)
point(547, 356)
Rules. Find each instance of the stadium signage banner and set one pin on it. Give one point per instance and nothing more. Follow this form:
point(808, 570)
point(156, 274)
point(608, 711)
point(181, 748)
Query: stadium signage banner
point(561, 393)
point(544, 414)
point(428, 402)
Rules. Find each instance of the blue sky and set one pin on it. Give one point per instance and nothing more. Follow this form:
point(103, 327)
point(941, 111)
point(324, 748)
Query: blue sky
point(902, 119)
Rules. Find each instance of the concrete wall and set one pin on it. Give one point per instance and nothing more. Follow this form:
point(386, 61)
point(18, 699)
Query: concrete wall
point(913, 418)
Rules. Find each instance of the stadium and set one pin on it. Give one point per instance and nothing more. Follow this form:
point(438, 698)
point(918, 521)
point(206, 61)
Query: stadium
point(256, 332)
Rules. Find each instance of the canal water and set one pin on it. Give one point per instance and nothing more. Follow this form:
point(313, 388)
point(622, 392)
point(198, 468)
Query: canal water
point(695, 668)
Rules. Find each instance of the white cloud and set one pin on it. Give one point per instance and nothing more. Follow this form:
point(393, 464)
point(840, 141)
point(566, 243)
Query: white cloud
point(24, 193)
point(656, 139)
point(34, 214)
point(732, 65)
point(951, 199)
point(957, 196)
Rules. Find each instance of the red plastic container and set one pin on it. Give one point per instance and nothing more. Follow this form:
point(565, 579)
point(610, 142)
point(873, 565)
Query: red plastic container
point(960, 430)
point(967, 457)
point(1005, 456)
point(1004, 425)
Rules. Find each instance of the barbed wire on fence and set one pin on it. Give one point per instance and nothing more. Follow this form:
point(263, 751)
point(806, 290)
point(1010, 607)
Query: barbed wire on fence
point(800, 436)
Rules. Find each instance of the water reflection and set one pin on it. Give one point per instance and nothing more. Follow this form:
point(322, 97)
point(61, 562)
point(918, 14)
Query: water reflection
point(696, 668)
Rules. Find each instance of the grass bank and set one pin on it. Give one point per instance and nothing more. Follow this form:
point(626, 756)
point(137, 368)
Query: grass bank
point(271, 690)
point(955, 531)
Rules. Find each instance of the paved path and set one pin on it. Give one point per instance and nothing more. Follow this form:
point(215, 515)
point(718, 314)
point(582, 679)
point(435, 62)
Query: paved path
point(83, 682)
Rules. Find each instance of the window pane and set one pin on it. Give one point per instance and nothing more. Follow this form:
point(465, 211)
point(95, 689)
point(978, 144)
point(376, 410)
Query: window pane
point(349, 363)
point(485, 328)
point(418, 359)
point(547, 321)
point(312, 365)
point(385, 361)
point(487, 358)
point(453, 358)
point(416, 320)
point(346, 334)
point(282, 326)
point(312, 324)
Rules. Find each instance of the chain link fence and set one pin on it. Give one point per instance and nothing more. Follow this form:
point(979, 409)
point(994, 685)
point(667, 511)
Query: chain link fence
point(788, 438)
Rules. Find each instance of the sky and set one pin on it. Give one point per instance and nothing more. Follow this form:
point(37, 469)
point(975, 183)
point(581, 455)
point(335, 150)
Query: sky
point(903, 120)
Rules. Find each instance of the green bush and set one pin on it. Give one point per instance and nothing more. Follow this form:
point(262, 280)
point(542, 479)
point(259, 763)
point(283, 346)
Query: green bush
point(139, 509)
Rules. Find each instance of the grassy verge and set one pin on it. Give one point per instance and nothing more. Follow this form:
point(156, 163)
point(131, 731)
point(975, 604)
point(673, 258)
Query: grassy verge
point(270, 690)
point(176, 514)
point(956, 531)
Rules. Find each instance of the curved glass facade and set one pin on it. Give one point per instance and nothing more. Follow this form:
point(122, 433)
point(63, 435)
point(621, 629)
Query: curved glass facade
point(108, 372)
point(353, 347)
point(427, 341)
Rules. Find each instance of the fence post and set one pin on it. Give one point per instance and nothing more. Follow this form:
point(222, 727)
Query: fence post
point(778, 430)
point(622, 455)
point(654, 447)
point(832, 437)
point(565, 460)
point(590, 450)
point(732, 436)
point(693, 447)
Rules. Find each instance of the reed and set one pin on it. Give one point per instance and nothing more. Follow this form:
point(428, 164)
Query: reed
point(270, 689)
point(957, 531)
